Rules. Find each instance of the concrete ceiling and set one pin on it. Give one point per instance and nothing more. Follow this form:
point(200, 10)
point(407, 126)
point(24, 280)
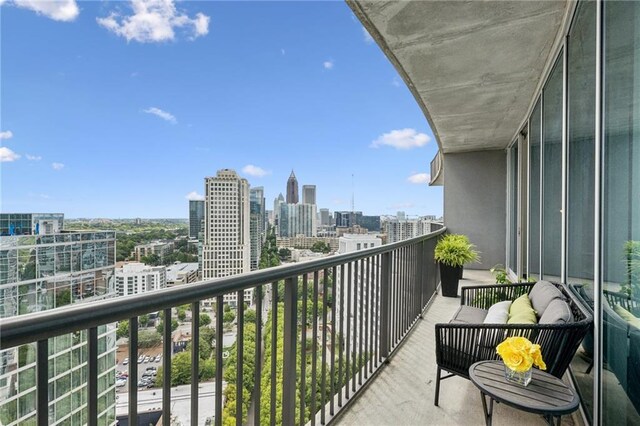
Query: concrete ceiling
point(473, 66)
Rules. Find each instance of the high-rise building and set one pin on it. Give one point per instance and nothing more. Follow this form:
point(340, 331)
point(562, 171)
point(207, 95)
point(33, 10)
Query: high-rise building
point(325, 219)
point(41, 270)
point(292, 189)
point(297, 219)
point(30, 223)
point(257, 224)
point(276, 211)
point(196, 218)
point(227, 244)
point(371, 223)
point(136, 278)
point(308, 194)
point(159, 248)
point(398, 230)
point(347, 219)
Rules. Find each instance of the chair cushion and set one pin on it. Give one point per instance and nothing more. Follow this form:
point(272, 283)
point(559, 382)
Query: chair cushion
point(557, 312)
point(521, 311)
point(627, 316)
point(498, 313)
point(542, 293)
point(469, 315)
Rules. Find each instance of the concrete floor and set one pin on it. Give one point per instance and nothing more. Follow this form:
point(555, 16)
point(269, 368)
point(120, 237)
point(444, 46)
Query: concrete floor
point(403, 392)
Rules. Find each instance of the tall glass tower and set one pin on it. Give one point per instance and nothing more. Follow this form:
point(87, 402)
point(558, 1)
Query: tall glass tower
point(43, 267)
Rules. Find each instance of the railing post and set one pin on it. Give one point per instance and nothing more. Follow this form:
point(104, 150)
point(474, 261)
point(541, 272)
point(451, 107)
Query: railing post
point(384, 304)
point(420, 279)
point(42, 380)
point(289, 349)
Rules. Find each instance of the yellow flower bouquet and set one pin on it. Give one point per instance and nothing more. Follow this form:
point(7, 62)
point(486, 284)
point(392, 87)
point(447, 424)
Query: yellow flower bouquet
point(518, 355)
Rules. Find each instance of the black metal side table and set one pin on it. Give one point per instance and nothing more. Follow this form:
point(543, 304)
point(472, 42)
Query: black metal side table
point(545, 394)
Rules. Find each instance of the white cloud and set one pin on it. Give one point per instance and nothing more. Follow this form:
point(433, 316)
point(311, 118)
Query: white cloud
point(155, 21)
point(283, 52)
point(7, 134)
point(33, 157)
point(328, 65)
point(402, 139)
point(58, 10)
point(419, 178)
point(57, 166)
point(395, 81)
point(367, 37)
point(7, 155)
point(162, 114)
point(43, 196)
point(194, 196)
point(256, 171)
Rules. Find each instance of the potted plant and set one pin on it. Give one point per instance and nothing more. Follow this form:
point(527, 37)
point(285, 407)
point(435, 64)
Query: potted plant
point(452, 252)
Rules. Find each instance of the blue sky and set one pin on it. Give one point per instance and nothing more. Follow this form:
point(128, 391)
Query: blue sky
point(120, 109)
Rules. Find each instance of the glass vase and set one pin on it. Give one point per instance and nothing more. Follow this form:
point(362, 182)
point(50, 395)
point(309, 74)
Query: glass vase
point(521, 378)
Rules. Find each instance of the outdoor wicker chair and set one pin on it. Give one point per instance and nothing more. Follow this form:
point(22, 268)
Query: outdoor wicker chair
point(459, 344)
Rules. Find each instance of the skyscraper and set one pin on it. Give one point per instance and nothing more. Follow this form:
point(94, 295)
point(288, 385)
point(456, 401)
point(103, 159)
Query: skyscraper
point(292, 189)
point(227, 246)
point(257, 224)
point(297, 219)
point(325, 217)
point(41, 268)
point(196, 217)
point(308, 194)
point(276, 211)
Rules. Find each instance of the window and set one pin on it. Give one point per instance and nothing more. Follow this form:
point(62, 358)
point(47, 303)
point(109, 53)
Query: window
point(552, 173)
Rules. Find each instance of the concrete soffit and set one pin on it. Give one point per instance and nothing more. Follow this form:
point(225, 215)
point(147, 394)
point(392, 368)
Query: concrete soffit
point(475, 106)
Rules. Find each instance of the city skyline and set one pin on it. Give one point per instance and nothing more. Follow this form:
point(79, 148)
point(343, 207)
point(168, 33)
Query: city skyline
point(133, 126)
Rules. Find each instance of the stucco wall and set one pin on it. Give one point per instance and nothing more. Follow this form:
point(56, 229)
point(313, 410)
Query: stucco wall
point(475, 202)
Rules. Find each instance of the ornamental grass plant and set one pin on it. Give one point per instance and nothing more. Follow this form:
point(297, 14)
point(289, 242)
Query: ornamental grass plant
point(456, 250)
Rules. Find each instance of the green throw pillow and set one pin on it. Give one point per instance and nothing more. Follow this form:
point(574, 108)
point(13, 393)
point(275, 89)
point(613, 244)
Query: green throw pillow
point(627, 316)
point(521, 311)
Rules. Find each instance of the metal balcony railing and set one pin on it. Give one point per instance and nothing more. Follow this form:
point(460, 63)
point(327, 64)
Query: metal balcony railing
point(436, 169)
point(357, 308)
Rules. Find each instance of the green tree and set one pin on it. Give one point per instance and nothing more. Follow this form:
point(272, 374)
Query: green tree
point(284, 253)
point(123, 329)
point(182, 315)
point(143, 320)
point(228, 317)
point(151, 259)
point(174, 325)
point(149, 339)
point(320, 247)
point(181, 370)
point(250, 316)
point(205, 320)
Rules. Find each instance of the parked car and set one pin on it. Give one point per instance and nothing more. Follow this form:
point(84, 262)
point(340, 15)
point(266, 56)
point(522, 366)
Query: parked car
point(158, 358)
point(121, 382)
point(140, 359)
point(126, 361)
point(147, 359)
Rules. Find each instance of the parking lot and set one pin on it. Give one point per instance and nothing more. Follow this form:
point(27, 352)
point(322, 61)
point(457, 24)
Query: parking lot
point(150, 359)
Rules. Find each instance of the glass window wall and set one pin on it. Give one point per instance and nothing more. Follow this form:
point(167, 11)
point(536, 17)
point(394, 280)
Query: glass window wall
point(534, 191)
point(552, 173)
point(621, 213)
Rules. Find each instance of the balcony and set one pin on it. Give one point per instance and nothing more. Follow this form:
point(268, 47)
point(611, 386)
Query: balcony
point(403, 391)
point(381, 303)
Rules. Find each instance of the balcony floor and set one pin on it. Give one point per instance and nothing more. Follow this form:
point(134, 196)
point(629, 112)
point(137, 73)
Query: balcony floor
point(403, 392)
